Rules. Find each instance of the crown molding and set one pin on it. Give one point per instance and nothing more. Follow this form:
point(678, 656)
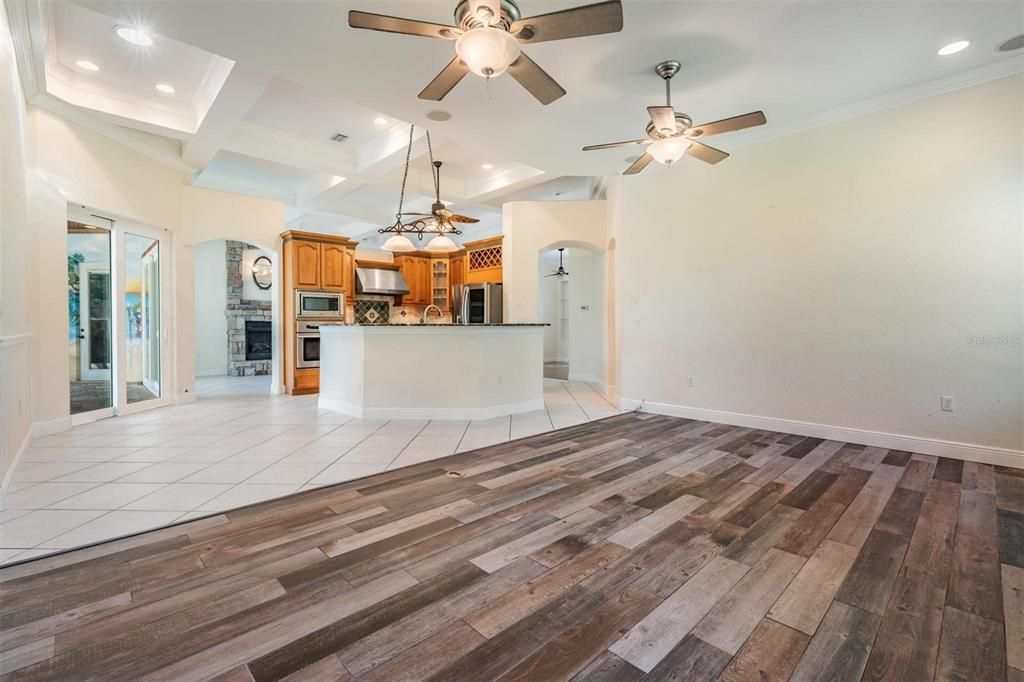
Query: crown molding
point(1002, 68)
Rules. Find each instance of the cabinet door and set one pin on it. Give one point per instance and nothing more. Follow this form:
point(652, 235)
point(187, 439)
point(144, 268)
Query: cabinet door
point(407, 265)
point(349, 274)
point(332, 267)
point(426, 277)
point(306, 264)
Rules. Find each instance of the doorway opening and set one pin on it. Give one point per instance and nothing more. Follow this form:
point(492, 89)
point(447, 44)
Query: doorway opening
point(234, 318)
point(571, 302)
point(116, 313)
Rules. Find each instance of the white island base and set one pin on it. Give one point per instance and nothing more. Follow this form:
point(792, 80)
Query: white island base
point(431, 371)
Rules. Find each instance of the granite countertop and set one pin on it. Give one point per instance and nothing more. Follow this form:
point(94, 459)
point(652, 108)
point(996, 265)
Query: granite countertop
point(446, 325)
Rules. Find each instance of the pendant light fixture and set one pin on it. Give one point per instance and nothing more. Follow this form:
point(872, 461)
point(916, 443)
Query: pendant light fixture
point(440, 221)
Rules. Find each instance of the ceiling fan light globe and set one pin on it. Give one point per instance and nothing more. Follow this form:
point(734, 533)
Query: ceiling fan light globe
point(441, 244)
point(669, 150)
point(487, 51)
point(398, 243)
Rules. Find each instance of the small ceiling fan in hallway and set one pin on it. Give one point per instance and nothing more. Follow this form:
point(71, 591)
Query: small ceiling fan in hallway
point(671, 134)
point(561, 272)
point(488, 36)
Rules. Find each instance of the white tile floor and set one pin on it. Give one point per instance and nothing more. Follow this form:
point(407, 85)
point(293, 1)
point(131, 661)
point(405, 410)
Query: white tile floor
point(236, 445)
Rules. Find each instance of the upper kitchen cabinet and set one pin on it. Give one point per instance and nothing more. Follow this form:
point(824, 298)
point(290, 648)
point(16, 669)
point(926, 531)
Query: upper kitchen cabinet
point(305, 263)
point(321, 262)
point(417, 268)
point(484, 260)
point(332, 267)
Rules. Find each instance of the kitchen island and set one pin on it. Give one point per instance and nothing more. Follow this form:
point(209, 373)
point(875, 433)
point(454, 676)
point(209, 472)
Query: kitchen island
point(431, 371)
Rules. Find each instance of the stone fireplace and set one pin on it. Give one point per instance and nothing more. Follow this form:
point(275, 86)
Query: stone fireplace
point(249, 321)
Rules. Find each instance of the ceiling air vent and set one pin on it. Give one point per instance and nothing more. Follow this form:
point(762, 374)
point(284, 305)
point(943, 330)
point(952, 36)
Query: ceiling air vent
point(339, 137)
point(1014, 43)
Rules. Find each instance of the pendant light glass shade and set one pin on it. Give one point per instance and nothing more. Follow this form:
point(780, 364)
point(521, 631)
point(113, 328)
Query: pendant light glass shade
point(669, 150)
point(398, 243)
point(487, 51)
point(441, 244)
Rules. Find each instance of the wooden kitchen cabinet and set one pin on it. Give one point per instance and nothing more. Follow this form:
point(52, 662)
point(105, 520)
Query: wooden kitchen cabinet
point(332, 267)
point(314, 262)
point(306, 265)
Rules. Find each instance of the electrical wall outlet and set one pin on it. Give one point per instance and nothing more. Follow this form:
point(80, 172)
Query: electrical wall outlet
point(948, 403)
point(689, 382)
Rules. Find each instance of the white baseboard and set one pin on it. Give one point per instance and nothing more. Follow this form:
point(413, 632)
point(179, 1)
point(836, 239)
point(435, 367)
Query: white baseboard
point(9, 474)
point(184, 398)
point(48, 428)
point(360, 412)
point(892, 441)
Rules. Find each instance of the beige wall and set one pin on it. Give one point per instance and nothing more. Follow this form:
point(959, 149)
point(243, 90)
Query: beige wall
point(530, 227)
point(837, 277)
point(15, 311)
point(77, 166)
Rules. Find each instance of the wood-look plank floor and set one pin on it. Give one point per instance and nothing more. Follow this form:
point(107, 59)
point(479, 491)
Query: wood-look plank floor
point(636, 547)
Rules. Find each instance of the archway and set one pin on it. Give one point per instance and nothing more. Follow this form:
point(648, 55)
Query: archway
point(236, 318)
point(574, 305)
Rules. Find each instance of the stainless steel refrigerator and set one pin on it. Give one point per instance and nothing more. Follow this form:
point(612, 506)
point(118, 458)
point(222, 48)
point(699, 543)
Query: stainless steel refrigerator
point(478, 304)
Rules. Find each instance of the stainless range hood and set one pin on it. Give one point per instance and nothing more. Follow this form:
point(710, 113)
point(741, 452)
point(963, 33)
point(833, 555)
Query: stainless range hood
point(380, 281)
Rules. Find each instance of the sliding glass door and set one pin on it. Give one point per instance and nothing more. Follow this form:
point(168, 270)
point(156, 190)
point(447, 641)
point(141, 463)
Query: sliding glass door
point(116, 313)
point(90, 319)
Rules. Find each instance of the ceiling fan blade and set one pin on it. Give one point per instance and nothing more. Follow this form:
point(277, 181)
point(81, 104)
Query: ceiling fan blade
point(612, 145)
point(445, 81)
point(456, 218)
point(727, 125)
point(410, 27)
point(639, 164)
point(588, 20)
point(705, 153)
point(664, 119)
point(535, 79)
point(491, 10)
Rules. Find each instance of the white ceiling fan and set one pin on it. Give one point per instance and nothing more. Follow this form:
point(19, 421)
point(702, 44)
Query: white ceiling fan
point(488, 35)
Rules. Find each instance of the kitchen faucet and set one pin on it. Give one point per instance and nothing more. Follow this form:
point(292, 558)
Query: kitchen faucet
point(426, 312)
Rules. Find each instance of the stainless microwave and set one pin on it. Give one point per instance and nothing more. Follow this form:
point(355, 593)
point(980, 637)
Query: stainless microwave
point(319, 304)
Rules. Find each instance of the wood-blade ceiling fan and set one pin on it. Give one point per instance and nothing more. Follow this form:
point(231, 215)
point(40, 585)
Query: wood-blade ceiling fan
point(488, 35)
point(441, 215)
point(671, 134)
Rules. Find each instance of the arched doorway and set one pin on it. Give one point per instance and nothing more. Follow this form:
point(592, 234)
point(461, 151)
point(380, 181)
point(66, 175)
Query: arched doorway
point(571, 286)
point(236, 318)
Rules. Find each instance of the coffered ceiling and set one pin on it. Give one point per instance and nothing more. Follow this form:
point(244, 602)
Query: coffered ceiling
point(262, 87)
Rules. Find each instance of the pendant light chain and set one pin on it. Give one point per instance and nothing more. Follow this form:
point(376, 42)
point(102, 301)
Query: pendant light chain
point(405, 175)
point(435, 172)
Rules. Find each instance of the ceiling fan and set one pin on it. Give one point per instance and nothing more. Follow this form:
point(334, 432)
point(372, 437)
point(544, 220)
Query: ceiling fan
point(671, 134)
point(561, 272)
point(488, 35)
point(440, 215)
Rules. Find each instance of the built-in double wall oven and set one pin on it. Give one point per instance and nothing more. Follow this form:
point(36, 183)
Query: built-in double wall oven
point(312, 308)
point(307, 344)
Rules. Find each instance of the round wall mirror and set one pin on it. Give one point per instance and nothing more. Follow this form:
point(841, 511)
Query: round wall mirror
point(261, 272)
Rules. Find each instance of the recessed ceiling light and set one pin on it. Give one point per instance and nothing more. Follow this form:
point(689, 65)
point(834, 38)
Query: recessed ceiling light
point(487, 166)
point(381, 121)
point(165, 88)
point(135, 36)
point(438, 115)
point(953, 48)
point(87, 65)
